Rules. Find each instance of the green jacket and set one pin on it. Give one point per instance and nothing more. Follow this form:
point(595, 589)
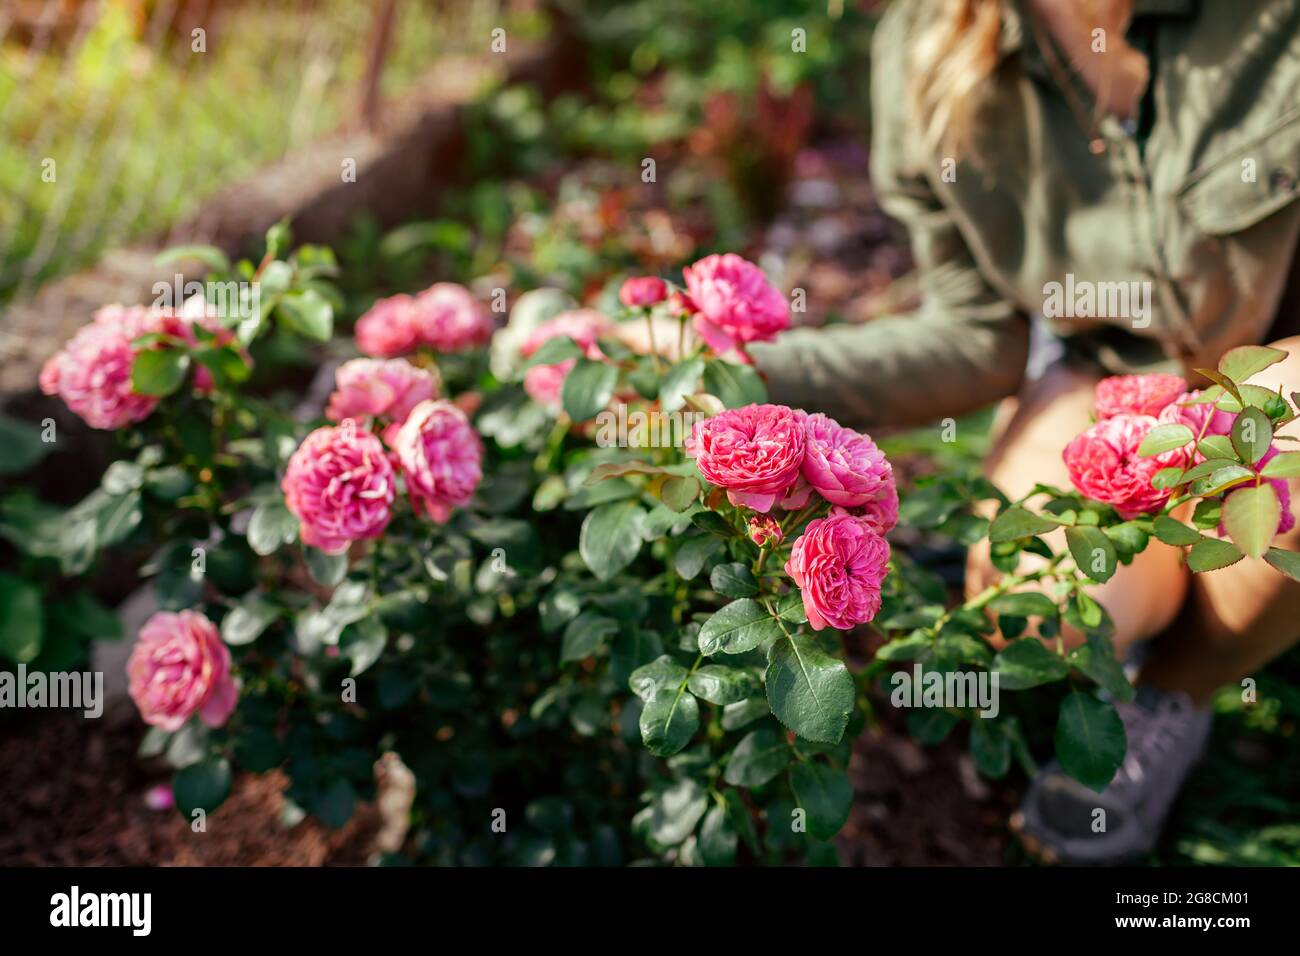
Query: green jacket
point(1170, 246)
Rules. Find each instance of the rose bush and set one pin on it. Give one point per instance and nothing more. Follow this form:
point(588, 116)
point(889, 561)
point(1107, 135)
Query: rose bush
point(508, 569)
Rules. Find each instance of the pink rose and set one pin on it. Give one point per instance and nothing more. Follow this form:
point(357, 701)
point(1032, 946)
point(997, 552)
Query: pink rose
point(447, 317)
point(388, 328)
point(839, 563)
point(339, 484)
point(736, 302)
point(545, 383)
point(845, 467)
point(1104, 465)
point(753, 452)
point(441, 458)
point(179, 668)
point(881, 512)
point(1137, 394)
point(641, 291)
point(379, 388)
point(764, 529)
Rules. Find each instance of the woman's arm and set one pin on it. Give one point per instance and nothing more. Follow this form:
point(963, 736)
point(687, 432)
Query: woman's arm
point(966, 346)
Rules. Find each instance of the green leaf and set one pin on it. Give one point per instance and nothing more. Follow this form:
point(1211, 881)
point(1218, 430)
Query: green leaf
point(1288, 562)
point(1096, 659)
point(1165, 438)
point(659, 675)
point(22, 444)
point(21, 619)
point(201, 786)
point(1015, 523)
point(586, 634)
point(722, 685)
point(1027, 663)
point(1025, 604)
point(990, 748)
point(809, 691)
point(588, 389)
point(679, 493)
point(671, 817)
point(718, 838)
point(735, 385)
point(1283, 465)
point(553, 352)
point(668, 721)
point(1090, 740)
point(1210, 554)
point(271, 525)
point(248, 619)
point(1093, 553)
point(1167, 478)
point(1241, 363)
point(759, 757)
point(212, 257)
point(1250, 516)
point(740, 626)
point(734, 580)
point(308, 313)
point(1252, 435)
point(159, 371)
point(1174, 532)
point(694, 553)
point(825, 794)
point(736, 716)
point(1216, 446)
point(680, 381)
point(610, 538)
point(790, 608)
point(326, 569)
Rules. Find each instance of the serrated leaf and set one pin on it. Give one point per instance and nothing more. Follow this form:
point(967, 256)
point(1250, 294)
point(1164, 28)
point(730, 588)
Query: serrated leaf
point(588, 388)
point(1090, 740)
point(1174, 532)
point(1282, 465)
point(810, 692)
point(1165, 438)
point(669, 721)
point(1252, 435)
point(611, 537)
point(721, 685)
point(1210, 554)
point(741, 626)
point(680, 381)
point(1251, 516)
point(1026, 663)
point(825, 794)
point(1015, 523)
point(1245, 361)
point(734, 580)
point(1093, 552)
point(1288, 562)
point(759, 757)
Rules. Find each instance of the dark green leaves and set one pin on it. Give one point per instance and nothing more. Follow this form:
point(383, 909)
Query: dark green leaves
point(1024, 604)
point(722, 685)
point(735, 385)
point(201, 786)
point(588, 389)
point(809, 691)
point(159, 371)
point(247, 620)
point(611, 537)
point(586, 634)
point(680, 381)
point(1092, 551)
point(1027, 663)
point(271, 526)
point(669, 720)
point(1090, 740)
point(740, 626)
point(1175, 532)
point(824, 794)
point(1288, 562)
point(759, 757)
point(733, 580)
point(20, 619)
point(1015, 523)
point(1210, 554)
point(307, 313)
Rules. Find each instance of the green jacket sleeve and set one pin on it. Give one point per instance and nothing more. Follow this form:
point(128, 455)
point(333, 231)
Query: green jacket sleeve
point(966, 345)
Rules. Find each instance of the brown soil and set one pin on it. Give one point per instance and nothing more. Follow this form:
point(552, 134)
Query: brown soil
point(72, 793)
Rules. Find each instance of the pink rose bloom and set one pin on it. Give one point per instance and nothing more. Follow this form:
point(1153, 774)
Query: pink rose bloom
point(388, 328)
point(441, 458)
point(179, 668)
point(839, 563)
point(764, 528)
point(1286, 521)
point(545, 383)
point(1104, 465)
point(736, 302)
point(448, 318)
point(642, 291)
point(1137, 394)
point(92, 372)
point(379, 388)
point(845, 467)
point(753, 452)
point(340, 486)
point(881, 512)
point(681, 304)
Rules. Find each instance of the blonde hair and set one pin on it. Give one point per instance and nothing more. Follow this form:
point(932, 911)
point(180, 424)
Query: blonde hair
point(951, 60)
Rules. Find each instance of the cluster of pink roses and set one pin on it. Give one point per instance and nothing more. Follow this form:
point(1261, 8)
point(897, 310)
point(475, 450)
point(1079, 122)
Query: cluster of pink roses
point(767, 456)
point(545, 383)
point(1104, 463)
point(341, 482)
point(445, 317)
point(92, 372)
point(180, 667)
